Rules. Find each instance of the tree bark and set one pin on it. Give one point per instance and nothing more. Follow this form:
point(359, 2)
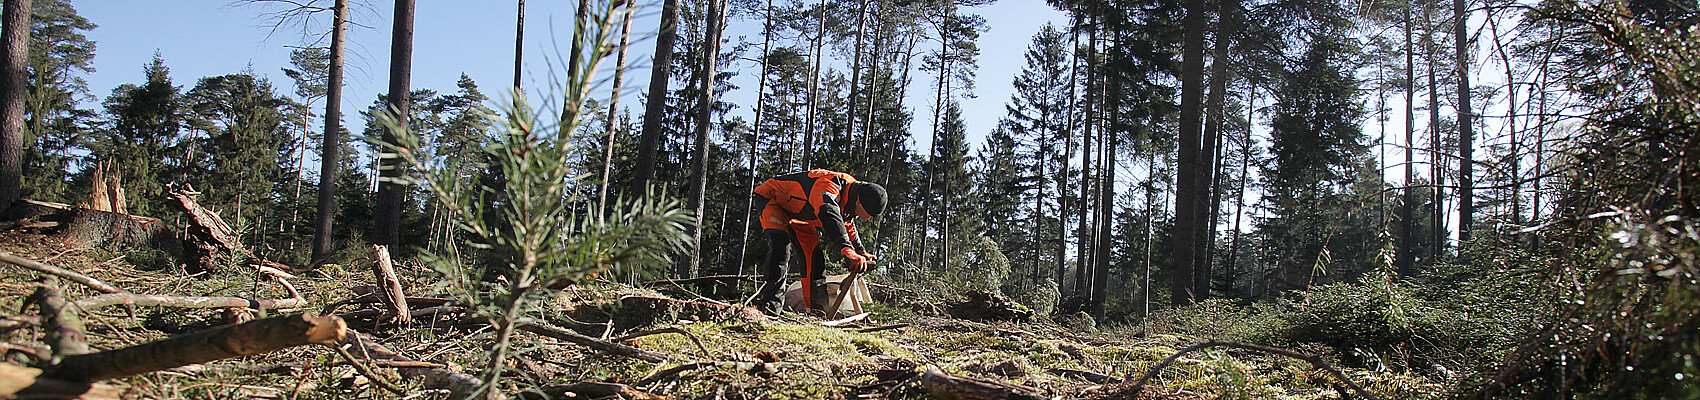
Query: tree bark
point(62, 329)
point(614, 109)
point(1188, 193)
point(254, 337)
point(1466, 124)
point(659, 73)
point(1408, 223)
point(15, 32)
point(330, 151)
point(387, 207)
point(699, 159)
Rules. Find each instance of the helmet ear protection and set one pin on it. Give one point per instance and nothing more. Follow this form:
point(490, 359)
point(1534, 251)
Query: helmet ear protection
point(871, 196)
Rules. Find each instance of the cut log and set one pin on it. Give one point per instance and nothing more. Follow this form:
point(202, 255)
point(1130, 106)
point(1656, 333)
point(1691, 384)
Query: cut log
point(389, 286)
point(111, 299)
point(14, 379)
point(367, 349)
point(945, 386)
point(254, 337)
point(638, 311)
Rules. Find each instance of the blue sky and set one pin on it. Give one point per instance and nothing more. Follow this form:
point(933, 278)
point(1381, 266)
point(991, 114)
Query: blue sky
point(200, 38)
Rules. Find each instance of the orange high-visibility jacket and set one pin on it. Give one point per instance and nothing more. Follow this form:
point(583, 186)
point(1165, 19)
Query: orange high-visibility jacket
point(814, 197)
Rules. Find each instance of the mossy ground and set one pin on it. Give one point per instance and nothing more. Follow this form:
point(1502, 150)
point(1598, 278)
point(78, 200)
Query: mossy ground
point(791, 357)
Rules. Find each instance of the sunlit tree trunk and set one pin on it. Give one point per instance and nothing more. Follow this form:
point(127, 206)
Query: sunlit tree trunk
point(387, 224)
point(699, 159)
point(15, 30)
point(330, 151)
point(659, 72)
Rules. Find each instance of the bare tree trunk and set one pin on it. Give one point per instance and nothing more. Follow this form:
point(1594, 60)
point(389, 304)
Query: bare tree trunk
point(519, 45)
point(614, 109)
point(387, 210)
point(659, 73)
point(814, 90)
point(1437, 152)
point(699, 167)
point(15, 32)
point(1408, 223)
point(330, 150)
point(755, 134)
point(1209, 150)
point(1466, 125)
point(1188, 188)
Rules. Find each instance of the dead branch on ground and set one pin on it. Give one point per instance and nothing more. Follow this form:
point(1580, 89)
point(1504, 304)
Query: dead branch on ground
point(367, 349)
point(111, 299)
point(586, 341)
point(60, 326)
point(250, 338)
point(1312, 359)
point(45, 268)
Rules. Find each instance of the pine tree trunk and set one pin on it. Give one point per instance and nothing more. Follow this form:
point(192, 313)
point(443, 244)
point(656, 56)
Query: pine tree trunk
point(814, 90)
point(1408, 221)
point(519, 45)
point(15, 32)
point(387, 211)
point(330, 150)
point(1209, 150)
point(1189, 194)
point(1466, 124)
point(614, 110)
point(699, 167)
point(659, 73)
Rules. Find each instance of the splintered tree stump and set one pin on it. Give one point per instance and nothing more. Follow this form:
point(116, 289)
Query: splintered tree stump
point(91, 228)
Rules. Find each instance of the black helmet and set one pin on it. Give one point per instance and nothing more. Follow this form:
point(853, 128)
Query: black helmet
point(870, 195)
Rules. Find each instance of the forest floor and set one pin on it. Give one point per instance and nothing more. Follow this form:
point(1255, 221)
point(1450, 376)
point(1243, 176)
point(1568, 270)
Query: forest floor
point(741, 355)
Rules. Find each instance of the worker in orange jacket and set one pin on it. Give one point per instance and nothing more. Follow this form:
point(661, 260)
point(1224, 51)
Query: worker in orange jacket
point(812, 209)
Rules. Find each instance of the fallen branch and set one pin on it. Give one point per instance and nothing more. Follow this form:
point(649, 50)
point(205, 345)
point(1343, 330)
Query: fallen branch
point(674, 370)
point(1312, 359)
point(246, 339)
point(586, 341)
point(389, 286)
point(96, 284)
point(715, 278)
point(675, 329)
point(945, 386)
point(367, 371)
point(882, 328)
point(595, 390)
point(367, 349)
point(111, 299)
point(60, 326)
point(375, 297)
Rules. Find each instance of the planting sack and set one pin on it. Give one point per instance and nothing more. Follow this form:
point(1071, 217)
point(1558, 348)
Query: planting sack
point(852, 302)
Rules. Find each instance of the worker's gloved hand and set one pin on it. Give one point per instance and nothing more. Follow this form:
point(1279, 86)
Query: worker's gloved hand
point(870, 257)
point(857, 262)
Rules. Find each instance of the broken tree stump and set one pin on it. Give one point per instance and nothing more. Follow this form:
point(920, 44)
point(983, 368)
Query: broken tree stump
point(389, 287)
point(210, 238)
point(90, 228)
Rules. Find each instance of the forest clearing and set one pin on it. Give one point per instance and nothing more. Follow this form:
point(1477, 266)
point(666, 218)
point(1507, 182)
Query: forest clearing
point(1240, 199)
